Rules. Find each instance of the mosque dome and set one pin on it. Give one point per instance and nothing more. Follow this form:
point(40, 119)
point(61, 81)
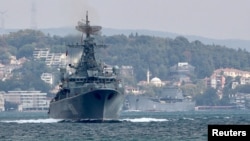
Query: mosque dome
point(156, 81)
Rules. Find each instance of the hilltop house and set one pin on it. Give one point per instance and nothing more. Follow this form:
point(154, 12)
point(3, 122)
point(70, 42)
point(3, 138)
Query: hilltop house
point(218, 78)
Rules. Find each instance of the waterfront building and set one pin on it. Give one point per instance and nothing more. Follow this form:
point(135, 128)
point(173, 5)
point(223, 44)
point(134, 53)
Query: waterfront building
point(28, 100)
point(1, 101)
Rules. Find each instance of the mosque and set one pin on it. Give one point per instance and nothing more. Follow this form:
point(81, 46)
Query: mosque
point(155, 81)
point(181, 71)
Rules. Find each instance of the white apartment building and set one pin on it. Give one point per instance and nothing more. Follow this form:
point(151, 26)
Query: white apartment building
point(47, 77)
point(40, 53)
point(1, 101)
point(28, 100)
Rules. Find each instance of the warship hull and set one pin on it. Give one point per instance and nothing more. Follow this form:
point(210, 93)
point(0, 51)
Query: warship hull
point(100, 104)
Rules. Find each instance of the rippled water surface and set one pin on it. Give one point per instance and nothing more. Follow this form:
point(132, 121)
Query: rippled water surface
point(132, 126)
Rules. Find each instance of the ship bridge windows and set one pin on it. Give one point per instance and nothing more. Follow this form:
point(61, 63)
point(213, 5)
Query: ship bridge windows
point(92, 80)
point(72, 79)
point(77, 79)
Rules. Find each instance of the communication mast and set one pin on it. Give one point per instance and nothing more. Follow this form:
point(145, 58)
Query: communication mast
point(33, 23)
point(2, 20)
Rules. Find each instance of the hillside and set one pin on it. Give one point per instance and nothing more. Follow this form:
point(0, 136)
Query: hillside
point(230, 43)
point(142, 52)
point(159, 54)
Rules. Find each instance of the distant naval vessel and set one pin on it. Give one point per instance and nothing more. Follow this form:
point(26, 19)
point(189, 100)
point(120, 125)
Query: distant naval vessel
point(93, 91)
point(171, 100)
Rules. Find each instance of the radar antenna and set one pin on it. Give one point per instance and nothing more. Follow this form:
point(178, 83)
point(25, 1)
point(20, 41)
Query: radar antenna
point(86, 28)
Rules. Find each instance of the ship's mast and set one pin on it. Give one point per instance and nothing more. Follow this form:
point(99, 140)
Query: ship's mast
point(87, 62)
point(87, 24)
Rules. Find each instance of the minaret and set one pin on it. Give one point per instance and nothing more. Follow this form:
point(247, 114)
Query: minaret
point(148, 76)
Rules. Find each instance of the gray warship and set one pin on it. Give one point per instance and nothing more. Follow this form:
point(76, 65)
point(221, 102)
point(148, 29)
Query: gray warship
point(94, 90)
point(171, 99)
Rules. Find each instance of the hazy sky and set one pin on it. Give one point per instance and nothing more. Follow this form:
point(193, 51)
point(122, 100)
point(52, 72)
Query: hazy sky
point(219, 19)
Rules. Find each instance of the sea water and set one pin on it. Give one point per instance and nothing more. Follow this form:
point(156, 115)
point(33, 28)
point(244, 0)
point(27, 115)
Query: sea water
point(132, 126)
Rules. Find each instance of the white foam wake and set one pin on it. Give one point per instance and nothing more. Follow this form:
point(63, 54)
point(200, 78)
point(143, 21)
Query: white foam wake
point(49, 120)
point(145, 120)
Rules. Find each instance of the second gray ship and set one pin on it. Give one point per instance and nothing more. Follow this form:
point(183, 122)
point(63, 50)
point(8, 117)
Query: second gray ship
point(170, 100)
point(93, 91)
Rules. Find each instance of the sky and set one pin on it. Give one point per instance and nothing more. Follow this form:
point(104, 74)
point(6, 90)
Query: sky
point(217, 19)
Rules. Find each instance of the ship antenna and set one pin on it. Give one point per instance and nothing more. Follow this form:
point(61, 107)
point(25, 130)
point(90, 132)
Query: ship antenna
point(87, 23)
point(87, 18)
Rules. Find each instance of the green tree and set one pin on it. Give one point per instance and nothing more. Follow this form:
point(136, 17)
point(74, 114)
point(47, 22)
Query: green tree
point(26, 51)
point(27, 77)
point(208, 98)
